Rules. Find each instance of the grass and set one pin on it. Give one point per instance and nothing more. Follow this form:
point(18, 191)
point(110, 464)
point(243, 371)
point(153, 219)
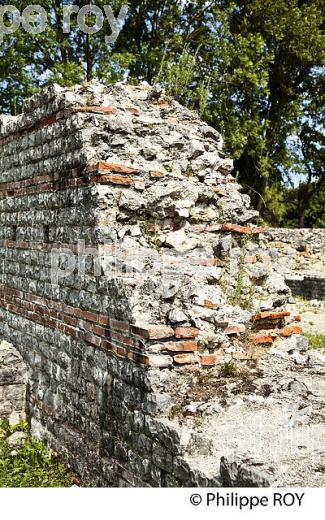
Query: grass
point(316, 340)
point(30, 464)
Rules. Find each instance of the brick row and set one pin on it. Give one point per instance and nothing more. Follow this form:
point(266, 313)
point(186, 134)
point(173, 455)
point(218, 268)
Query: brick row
point(75, 178)
point(119, 337)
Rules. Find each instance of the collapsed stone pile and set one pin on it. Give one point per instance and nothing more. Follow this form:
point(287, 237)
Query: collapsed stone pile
point(132, 268)
point(12, 384)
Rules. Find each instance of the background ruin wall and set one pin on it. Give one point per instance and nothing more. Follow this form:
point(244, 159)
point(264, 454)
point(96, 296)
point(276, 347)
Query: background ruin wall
point(300, 255)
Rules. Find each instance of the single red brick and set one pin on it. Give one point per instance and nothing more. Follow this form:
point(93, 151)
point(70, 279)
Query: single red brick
point(91, 316)
point(70, 320)
point(270, 315)
point(156, 175)
point(116, 168)
point(120, 351)
point(237, 228)
point(242, 356)
point(186, 332)
point(164, 103)
point(71, 331)
point(180, 346)
point(208, 360)
point(152, 331)
point(261, 339)
point(100, 331)
point(90, 108)
point(297, 318)
point(211, 305)
point(221, 191)
point(113, 179)
point(107, 345)
point(126, 340)
point(235, 328)
point(185, 359)
point(289, 331)
point(133, 110)
point(79, 313)
point(103, 320)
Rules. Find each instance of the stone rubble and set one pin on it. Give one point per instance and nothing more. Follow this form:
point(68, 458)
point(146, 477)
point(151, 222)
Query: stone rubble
point(13, 375)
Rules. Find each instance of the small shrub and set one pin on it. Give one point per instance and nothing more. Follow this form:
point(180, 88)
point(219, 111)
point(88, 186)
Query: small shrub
point(29, 464)
point(228, 369)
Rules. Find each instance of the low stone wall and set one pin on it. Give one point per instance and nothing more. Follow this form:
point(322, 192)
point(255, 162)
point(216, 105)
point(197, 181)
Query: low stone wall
point(299, 255)
point(13, 378)
point(297, 250)
point(308, 286)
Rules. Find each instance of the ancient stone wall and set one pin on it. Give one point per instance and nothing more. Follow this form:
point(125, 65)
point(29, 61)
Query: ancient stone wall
point(13, 381)
point(130, 270)
point(300, 255)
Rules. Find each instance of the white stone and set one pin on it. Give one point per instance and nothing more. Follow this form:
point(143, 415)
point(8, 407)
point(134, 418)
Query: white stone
point(16, 439)
point(180, 241)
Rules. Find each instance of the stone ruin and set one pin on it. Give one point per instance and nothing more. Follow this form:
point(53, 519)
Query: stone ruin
point(13, 380)
point(300, 255)
point(141, 295)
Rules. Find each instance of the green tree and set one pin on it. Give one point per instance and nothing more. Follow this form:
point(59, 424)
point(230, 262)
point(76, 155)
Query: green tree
point(29, 62)
point(264, 55)
point(314, 214)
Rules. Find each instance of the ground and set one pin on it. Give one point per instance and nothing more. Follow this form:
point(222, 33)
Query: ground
point(312, 313)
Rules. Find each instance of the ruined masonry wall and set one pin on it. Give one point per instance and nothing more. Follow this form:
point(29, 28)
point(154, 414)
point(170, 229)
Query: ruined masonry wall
point(301, 256)
point(13, 380)
point(142, 181)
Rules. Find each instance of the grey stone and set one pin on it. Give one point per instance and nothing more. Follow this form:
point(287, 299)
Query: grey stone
point(180, 241)
point(177, 316)
point(235, 473)
point(16, 439)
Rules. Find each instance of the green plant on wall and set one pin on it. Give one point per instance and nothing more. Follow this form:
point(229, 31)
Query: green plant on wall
point(30, 463)
point(243, 293)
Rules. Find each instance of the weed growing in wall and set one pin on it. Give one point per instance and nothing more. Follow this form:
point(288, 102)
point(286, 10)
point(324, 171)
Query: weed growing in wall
point(28, 462)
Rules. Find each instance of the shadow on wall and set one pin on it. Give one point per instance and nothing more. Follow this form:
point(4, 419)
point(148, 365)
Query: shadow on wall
point(307, 286)
point(13, 383)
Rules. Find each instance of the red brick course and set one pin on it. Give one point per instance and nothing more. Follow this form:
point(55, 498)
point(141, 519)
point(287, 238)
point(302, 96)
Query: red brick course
point(270, 315)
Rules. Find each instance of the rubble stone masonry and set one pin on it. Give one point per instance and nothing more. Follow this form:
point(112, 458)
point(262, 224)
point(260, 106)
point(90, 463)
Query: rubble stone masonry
point(301, 257)
point(131, 267)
